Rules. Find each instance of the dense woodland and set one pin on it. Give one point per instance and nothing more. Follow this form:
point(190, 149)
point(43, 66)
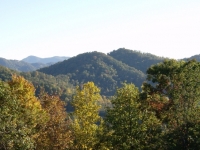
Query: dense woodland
point(156, 110)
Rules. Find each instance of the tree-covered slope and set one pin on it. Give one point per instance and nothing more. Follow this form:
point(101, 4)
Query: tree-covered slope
point(59, 85)
point(105, 71)
point(136, 59)
point(17, 65)
point(21, 65)
point(6, 73)
point(30, 63)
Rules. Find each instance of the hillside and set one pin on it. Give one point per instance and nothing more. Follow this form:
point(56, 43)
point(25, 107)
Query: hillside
point(59, 85)
point(52, 60)
point(6, 73)
point(30, 63)
point(17, 65)
point(105, 71)
point(21, 65)
point(140, 61)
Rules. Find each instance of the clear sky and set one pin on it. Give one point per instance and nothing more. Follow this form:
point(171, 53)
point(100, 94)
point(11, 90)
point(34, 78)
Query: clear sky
point(45, 28)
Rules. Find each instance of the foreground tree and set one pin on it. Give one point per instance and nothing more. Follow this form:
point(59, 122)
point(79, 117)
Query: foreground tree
point(56, 133)
point(86, 116)
point(20, 114)
point(173, 93)
point(131, 127)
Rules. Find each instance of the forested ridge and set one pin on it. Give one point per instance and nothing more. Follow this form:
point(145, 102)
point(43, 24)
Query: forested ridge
point(140, 61)
point(159, 112)
point(30, 63)
point(105, 71)
point(18, 65)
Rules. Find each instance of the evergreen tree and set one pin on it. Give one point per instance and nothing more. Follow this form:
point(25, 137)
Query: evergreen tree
point(173, 93)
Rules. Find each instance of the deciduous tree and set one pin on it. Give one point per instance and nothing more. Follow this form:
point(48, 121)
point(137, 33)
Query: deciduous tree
point(56, 133)
point(20, 114)
point(131, 127)
point(86, 116)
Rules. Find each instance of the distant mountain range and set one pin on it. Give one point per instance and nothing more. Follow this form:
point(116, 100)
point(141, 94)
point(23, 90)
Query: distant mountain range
point(49, 60)
point(30, 63)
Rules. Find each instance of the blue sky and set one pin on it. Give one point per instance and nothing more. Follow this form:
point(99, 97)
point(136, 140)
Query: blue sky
point(169, 28)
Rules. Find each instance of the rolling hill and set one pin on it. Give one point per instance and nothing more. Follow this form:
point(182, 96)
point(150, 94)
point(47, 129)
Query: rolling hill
point(30, 63)
point(140, 61)
point(105, 71)
point(17, 65)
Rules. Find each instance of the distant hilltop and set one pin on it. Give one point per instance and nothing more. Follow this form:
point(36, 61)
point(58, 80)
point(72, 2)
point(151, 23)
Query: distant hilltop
point(30, 63)
point(35, 59)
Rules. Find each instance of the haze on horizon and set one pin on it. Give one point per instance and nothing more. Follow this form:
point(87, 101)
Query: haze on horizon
point(66, 28)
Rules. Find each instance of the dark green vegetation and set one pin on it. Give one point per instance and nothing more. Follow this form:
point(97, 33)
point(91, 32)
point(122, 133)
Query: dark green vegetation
point(174, 98)
point(136, 59)
point(105, 71)
point(6, 74)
